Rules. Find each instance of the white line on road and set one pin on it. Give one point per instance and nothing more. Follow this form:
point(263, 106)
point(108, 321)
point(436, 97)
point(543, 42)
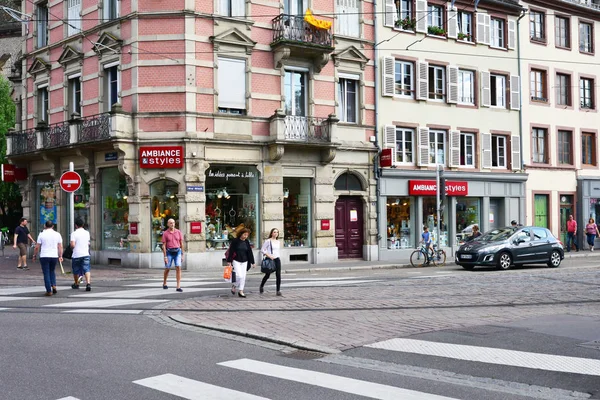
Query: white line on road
point(188, 283)
point(193, 390)
point(28, 289)
point(94, 311)
point(2, 309)
point(547, 362)
point(69, 398)
point(127, 294)
point(13, 298)
point(103, 303)
point(334, 382)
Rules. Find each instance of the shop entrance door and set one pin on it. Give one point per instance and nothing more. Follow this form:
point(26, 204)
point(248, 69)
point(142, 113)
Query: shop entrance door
point(566, 209)
point(349, 227)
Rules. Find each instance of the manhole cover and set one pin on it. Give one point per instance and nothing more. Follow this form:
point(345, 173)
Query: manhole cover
point(304, 355)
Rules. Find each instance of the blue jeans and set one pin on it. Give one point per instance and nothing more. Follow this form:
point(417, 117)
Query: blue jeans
point(571, 240)
point(173, 258)
point(80, 265)
point(48, 266)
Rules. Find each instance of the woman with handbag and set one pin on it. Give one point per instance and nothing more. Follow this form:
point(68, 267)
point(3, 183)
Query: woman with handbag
point(241, 258)
point(591, 231)
point(270, 250)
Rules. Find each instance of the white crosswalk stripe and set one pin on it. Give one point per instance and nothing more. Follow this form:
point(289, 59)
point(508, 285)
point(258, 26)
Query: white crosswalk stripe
point(109, 311)
point(137, 293)
point(16, 298)
point(28, 289)
point(69, 398)
point(104, 303)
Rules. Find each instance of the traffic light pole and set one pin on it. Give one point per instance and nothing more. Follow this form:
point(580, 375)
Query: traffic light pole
point(438, 198)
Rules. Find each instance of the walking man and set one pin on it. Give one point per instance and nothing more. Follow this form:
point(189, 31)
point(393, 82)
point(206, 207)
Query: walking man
point(80, 242)
point(50, 247)
point(21, 240)
point(572, 233)
point(172, 240)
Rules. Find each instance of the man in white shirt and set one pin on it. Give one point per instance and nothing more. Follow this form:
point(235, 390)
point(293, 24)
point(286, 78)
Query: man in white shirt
point(80, 242)
point(50, 248)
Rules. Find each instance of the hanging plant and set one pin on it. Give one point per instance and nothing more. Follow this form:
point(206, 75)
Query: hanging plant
point(464, 36)
point(407, 24)
point(436, 30)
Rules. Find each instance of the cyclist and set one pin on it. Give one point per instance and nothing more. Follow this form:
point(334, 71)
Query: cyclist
point(22, 236)
point(427, 239)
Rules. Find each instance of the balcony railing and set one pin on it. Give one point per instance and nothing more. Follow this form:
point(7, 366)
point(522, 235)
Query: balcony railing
point(307, 129)
point(56, 135)
point(24, 141)
point(94, 128)
point(293, 28)
point(593, 4)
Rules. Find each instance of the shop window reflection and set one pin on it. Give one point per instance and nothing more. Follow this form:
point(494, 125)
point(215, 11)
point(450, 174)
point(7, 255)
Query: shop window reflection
point(115, 210)
point(297, 212)
point(430, 220)
point(398, 223)
point(164, 206)
point(468, 213)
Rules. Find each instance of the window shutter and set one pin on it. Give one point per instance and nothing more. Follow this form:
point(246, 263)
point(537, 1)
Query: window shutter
point(481, 28)
point(74, 12)
point(515, 145)
point(387, 69)
point(421, 15)
point(238, 8)
point(512, 34)
point(452, 23)
point(486, 150)
point(452, 84)
point(390, 13)
point(485, 89)
point(353, 18)
point(232, 83)
point(454, 149)
point(422, 80)
point(423, 146)
point(389, 140)
point(515, 92)
point(341, 26)
point(487, 25)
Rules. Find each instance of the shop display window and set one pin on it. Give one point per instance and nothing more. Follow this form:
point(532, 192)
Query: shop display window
point(46, 198)
point(164, 206)
point(430, 220)
point(297, 212)
point(231, 204)
point(468, 213)
point(115, 210)
point(81, 201)
point(399, 212)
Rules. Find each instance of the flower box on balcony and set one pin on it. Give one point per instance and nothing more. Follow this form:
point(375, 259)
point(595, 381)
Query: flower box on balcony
point(436, 31)
point(406, 24)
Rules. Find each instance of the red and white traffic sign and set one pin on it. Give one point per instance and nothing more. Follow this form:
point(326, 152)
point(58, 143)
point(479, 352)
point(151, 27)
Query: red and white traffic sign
point(70, 181)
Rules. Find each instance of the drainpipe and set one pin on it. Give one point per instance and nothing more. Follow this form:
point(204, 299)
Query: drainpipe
point(376, 168)
point(523, 13)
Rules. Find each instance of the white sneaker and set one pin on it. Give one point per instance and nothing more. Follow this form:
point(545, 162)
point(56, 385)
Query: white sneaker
point(80, 281)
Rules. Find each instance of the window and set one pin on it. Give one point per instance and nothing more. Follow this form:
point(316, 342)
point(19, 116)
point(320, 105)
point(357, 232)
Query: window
point(467, 150)
point(586, 35)
point(294, 7)
point(563, 32)
point(74, 12)
point(437, 83)
point(537, 81)
point(497, 33)
point(537, 29)
point(437, 147)
point(74, 93)
point(497, 91)
point(465, 26)
point(563, 90)
point(403, 79)
point(43, 111)
point(404, 145)
point(564, 147)
point(42, 25)
point(348, 23)
point(110, 9)
point(498, 151)
point(348, 100)
point(232, 86)
point(111, 86)
point(539, 138)
point(586, 93)
point(466, 87)
point(435, 19)
point(233, 8)
point(404, 9)
point(295, 93)
point(588, 148)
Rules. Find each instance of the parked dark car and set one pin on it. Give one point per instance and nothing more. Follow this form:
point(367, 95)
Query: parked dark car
point(505, 247)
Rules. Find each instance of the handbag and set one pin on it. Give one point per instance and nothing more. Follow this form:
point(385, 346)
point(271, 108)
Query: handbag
point(267, 265)
point(227, 272)
point(68, 252)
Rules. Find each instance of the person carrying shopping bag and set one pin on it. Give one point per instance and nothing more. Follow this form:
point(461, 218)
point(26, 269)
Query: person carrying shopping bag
point(270, 249)
point(591, 231)
point(240, 257)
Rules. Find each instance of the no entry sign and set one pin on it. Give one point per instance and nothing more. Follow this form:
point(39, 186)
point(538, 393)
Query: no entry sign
point(70, 181)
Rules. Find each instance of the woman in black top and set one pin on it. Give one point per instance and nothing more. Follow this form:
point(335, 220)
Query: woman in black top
point(240, 257)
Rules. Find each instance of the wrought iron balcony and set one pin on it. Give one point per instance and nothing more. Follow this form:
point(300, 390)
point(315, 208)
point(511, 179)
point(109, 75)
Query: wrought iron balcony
point(23, 141)
point(593, 4)
point(56, 135)
point(307, 129)
point(94, 128)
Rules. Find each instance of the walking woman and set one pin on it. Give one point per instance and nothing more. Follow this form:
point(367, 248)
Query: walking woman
point(270, 248)
point(240, 257)
point(591, 231)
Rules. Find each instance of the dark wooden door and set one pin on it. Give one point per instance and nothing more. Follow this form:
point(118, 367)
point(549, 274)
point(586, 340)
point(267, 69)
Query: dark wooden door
point(349, 227)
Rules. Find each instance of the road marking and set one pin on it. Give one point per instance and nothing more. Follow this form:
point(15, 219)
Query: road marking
point(2, 309)
point(103, 303)
point(28, 289)
point(325, 283)
point(547, 362)
point(188, 283)
point(324, 279)
point(69, 398)
point(334, 382)
point(193, 390)
point(127, 294)
point(13, 298)
point(94, 311)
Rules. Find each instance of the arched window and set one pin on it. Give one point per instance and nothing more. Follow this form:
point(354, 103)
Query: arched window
point(347, 181)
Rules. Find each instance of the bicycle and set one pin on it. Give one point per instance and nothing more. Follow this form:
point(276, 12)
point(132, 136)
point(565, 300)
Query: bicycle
point(426, 255)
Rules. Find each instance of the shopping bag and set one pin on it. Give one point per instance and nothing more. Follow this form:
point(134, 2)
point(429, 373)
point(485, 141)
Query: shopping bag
point(227, 273)
point(62, 270)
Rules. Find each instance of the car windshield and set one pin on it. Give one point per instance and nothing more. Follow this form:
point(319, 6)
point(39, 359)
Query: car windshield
point(497, 235)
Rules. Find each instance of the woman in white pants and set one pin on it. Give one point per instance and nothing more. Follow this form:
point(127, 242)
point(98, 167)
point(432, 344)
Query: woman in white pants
point(241, 258)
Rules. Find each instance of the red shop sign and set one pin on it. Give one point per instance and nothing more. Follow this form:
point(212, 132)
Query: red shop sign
point(8, 173)
point(428, 188)
point(385, 160)
point(196, 227)
point(161, 157)
point(133, 228)
point(325, 225)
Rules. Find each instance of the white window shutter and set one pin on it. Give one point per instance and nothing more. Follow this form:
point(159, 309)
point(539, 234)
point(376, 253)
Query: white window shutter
point(485, 89)
point(512, 34)
point(341, 25)
point(387, 70)
point(353, 17)
point(422, 75)
point(515, 146)
point(421, 15)
point(390, 13)
point(488, 23)
point(423, 142)
point(389, 140)
point(452, 31)
point(515, 92)
point(481, 28)
point(238, 8)
point(452, 84)
point(232, 83)
point(74, 14)
point(454, 149)
point(486, 150)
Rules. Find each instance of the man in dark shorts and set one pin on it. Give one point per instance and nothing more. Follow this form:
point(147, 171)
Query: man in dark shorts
point(21, 240)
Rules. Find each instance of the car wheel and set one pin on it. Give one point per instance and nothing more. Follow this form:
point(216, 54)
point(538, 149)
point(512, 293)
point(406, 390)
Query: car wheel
point(554, 261)
point(504, 261)
point(468, 267)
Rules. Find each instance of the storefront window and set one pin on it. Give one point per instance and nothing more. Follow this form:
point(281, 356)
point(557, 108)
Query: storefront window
point(164, 206)
point(468, 213)
point(46, 196)
point(231, 204)
point(115, 210)
point(399, 211)
point(81, 199)
point(595, 209)
point(297, 212)
point(430, 220)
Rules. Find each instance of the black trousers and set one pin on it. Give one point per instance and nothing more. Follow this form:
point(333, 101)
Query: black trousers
point(277, 275)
